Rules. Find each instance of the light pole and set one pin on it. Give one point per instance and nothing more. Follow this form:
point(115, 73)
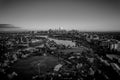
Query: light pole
point(38, 68)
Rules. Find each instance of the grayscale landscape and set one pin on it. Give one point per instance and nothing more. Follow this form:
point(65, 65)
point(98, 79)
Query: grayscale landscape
point(60, 39)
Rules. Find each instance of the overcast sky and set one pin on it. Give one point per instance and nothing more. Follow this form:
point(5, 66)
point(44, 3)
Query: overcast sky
point(85, 15)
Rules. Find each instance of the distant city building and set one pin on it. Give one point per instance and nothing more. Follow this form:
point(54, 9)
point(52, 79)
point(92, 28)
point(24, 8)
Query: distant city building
point(117, 46)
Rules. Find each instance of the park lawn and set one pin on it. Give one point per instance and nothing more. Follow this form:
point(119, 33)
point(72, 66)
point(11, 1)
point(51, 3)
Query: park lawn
point(29, 66)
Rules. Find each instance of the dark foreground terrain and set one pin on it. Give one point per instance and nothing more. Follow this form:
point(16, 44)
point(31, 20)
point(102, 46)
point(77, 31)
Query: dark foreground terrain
point(35, 56)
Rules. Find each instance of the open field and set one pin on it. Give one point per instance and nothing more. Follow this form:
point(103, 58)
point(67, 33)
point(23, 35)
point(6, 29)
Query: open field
point(35, 65)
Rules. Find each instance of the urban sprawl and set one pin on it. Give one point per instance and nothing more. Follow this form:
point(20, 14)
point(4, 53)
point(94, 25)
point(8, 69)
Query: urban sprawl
point(59, 55)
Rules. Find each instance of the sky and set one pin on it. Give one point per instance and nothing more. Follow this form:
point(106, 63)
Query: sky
point(84, 15)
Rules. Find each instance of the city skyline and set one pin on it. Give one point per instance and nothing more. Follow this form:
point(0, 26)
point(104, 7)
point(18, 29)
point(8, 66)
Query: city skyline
point(87, 15)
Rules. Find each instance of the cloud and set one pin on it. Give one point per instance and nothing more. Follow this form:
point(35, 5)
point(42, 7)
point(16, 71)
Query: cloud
point(7, 26)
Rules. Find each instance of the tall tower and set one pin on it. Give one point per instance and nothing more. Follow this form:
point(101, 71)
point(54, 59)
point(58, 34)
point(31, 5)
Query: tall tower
point(60, 28)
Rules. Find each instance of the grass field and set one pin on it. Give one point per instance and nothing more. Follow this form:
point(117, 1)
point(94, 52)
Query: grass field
point(75, 50)
point(29, 66)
